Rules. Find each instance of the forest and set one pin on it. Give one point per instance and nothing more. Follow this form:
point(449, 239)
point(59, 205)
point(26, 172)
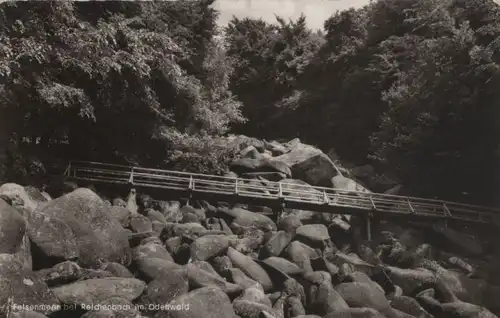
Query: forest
point(409, 86)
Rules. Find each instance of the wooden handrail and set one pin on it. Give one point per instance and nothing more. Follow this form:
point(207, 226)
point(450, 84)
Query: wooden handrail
point(187, 174)
point(148, 177)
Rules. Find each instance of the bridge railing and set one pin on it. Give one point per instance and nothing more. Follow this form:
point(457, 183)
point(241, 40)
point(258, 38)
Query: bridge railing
point(288, 191)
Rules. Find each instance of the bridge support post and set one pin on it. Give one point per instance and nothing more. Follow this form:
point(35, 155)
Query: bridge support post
point(279, 212)
point(368, 225)
point(190, 190)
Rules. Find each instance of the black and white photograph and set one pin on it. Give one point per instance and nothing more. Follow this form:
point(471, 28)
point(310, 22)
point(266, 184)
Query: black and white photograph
point(250, 159)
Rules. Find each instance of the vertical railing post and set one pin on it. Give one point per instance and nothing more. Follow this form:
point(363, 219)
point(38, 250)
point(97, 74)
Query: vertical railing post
point(190, 189)
point(67, 172)
point(447, 214)
point(236, 189)
point(374, 207)
point(326, 200)
point(446, 211)
point(131, 178)
point(191, 183)
point(409, 204)
point(369, 226)
point(282, 204)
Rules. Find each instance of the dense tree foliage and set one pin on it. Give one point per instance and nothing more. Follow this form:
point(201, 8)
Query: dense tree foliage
point(408, 85)
point(269, 60)
point(128, 81)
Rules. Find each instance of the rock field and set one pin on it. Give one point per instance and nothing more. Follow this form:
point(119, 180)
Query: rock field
point(82, 254)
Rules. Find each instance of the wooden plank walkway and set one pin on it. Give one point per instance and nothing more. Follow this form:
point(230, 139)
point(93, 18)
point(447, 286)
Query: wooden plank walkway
point(274, 194)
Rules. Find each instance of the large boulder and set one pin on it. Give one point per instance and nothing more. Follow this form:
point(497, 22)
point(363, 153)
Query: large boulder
point(132, 202)
point(298, 254)
point(112, 307)
point(249, 309)
point(312, 233)
point(12, 228)
point(207, 302)
point(363, 295)
point(309, 164)
point(151, 249)
point(24, 287)
point(79, 225)
point(321, 264)
point(26, 314)
point(250, 152)
point(324, 299)
point(238, 277)
point(250, 268)
point(22, 197)
point(355, 313)
point(187, 229)
point(121, 214)
point(260, 164)
point(283, 265)
point(209, 246)
point(13, 234)
point(289, 224)
point(277, 243)
point(294, 307)
point(411, 280)
point(155, 216)
point(409, 305)
point(461, 309)
point(171, 210)
point(201, 278)
point(255, 294)
point(339, 259)
point(164, 289)
point(361, 277)
point(275, 148)
point(92, 291)
point(150, 267)
point(117, 270)
point(206, 266)
point(62, 273)
point(53, 237)
point(247, 218)
point(246, 165)
point(119, 202)
point(138, 223)
point(342, 183)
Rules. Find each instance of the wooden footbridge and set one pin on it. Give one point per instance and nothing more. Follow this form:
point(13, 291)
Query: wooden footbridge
point(281, 194)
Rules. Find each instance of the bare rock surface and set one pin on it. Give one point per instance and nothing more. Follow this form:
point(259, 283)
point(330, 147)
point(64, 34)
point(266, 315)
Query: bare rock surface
point(155, 258)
